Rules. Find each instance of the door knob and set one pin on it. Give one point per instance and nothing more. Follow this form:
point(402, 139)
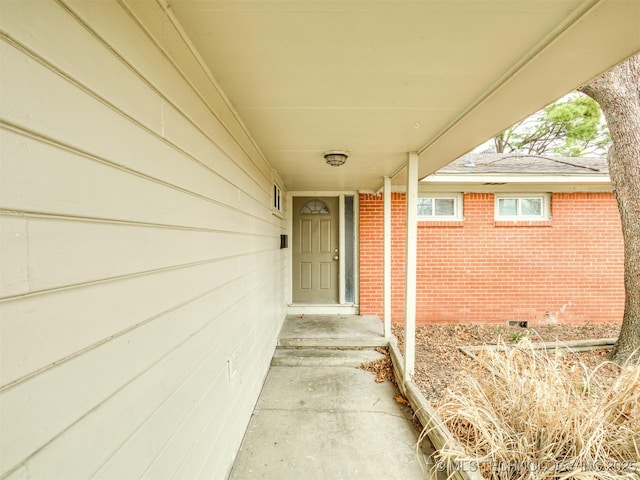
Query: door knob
point(335, 257)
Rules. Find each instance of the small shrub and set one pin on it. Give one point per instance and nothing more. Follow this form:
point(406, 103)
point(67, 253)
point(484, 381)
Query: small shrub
point(516, 337)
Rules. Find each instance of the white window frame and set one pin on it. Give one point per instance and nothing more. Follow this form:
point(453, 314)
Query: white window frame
point(457, 207)
point(545, 213)
point(277, 202)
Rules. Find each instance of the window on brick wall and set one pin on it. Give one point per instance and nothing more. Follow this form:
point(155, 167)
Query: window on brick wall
point(522, 207)
point(440, 207)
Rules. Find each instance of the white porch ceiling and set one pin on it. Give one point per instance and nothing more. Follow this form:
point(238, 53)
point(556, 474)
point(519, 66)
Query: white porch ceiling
point(382, 78)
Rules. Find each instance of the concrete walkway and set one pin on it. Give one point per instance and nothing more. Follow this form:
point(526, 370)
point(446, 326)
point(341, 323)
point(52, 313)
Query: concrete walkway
point(319, 416)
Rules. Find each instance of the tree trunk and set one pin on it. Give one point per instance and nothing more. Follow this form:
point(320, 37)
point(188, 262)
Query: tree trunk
point(618, 93)
point(500, 142)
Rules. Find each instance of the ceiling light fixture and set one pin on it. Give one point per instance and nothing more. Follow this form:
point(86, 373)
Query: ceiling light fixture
point(335, 158)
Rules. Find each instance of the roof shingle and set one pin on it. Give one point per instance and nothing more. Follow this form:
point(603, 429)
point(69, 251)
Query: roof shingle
point(510, 163)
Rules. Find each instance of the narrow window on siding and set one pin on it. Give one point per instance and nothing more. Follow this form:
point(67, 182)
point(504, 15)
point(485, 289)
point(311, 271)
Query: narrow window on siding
point(277, 198)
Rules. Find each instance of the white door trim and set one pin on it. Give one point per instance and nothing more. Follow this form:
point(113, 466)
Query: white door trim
point(342, 307)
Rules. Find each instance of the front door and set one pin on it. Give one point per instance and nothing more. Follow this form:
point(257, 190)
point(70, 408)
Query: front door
point(315, 249)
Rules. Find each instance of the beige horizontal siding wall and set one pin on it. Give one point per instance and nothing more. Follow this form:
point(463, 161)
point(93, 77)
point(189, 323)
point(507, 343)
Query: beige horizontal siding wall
point(140, 256)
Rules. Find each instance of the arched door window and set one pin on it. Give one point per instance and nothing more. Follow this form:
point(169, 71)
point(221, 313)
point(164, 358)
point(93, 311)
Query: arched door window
point(314, 207)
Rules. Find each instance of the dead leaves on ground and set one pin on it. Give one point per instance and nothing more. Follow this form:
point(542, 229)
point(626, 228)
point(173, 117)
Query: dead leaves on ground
point(381, 367)
point(439, 362)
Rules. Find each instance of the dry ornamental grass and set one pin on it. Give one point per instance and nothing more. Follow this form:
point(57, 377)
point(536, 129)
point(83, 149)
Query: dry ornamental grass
point(526, 414)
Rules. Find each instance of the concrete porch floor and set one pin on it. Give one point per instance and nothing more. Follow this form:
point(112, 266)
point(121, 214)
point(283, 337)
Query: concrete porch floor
point(319, 416)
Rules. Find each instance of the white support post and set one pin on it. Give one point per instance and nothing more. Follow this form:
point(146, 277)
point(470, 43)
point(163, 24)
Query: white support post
point(341, 252)
point(411, 267)
point(386, 274)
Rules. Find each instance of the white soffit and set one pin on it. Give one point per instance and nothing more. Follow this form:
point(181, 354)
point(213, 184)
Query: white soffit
point(382, 78)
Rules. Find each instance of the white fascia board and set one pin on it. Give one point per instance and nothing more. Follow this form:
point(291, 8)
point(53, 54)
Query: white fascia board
point(467, 178)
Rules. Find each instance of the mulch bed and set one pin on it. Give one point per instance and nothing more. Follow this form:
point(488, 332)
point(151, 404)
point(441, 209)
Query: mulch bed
point(439, 362)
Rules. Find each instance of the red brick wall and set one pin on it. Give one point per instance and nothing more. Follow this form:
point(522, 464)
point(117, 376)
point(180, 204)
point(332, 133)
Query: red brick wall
point(568, 270)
